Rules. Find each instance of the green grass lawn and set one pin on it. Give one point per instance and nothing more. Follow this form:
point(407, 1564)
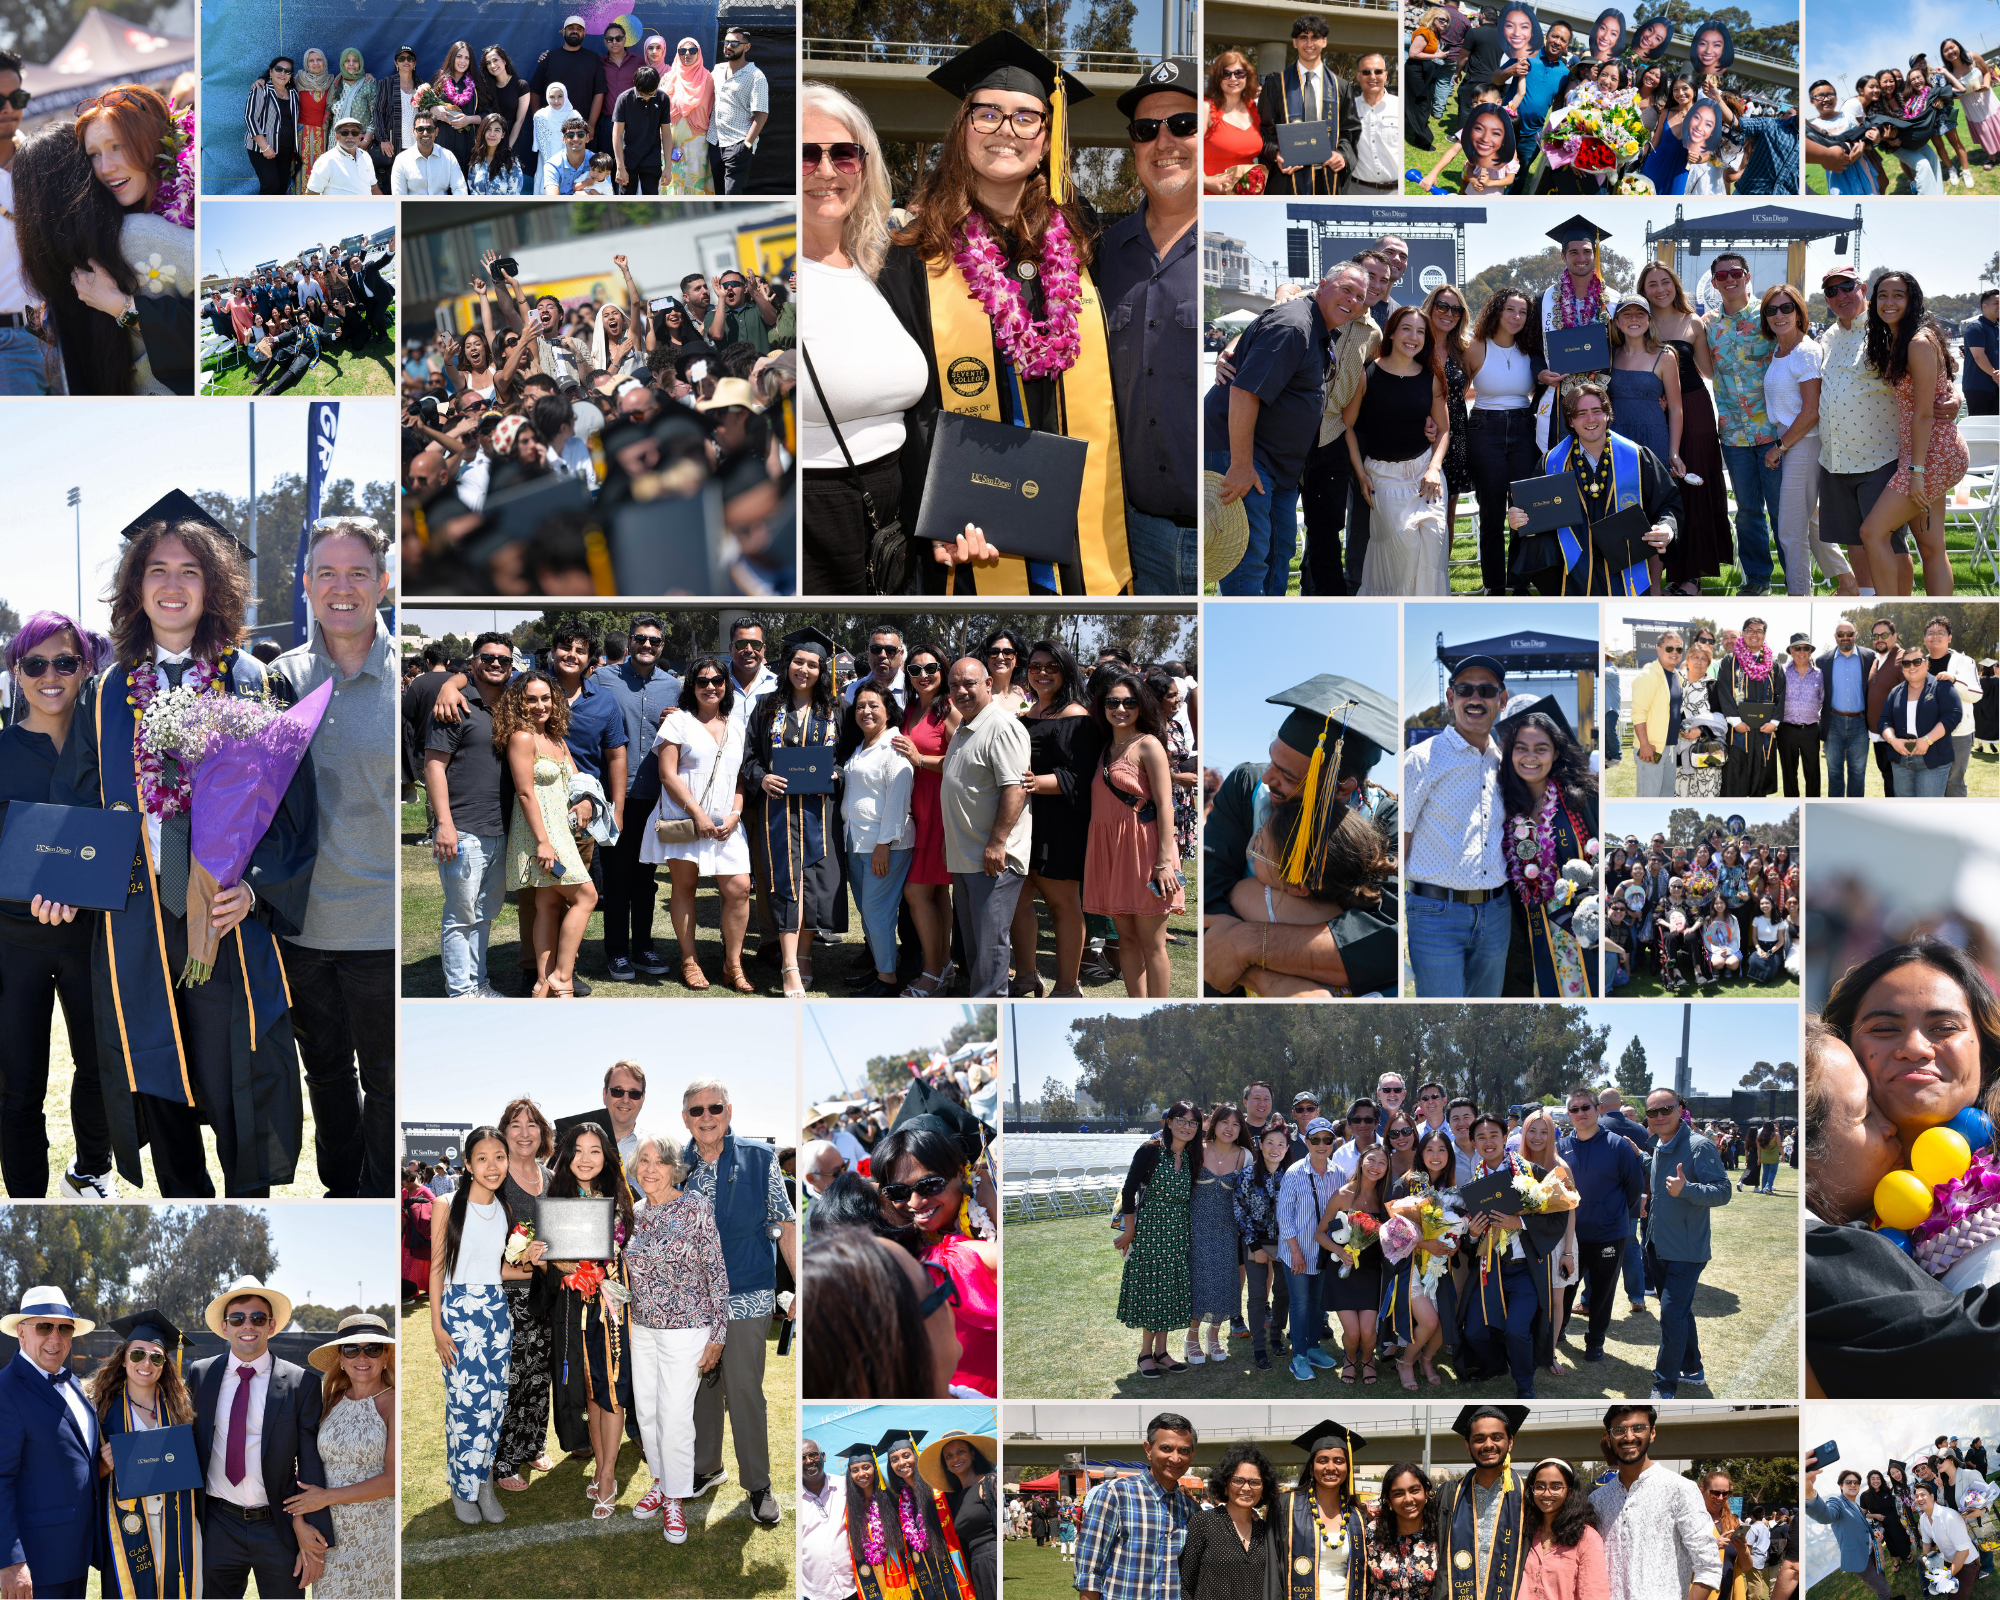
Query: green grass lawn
point(550, 1546)
point(1027, 1573)
point(1982, 773)
point(1846, 1586)
point(835, 967)
point(1064, 1340)
point(1985, 179)
point(372, 371)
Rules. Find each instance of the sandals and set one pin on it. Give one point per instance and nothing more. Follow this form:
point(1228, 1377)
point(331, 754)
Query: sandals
point(1347, 1372)
point(600, 1510)
point(1191, 1351)
point(912, 992)
point(516, 1483)
point(733, 976)
point(789, 992)
point(1407, 1372)
point(1149, 1367)
point(1169, 1364)
point(1368, 1372)
point(692, 975)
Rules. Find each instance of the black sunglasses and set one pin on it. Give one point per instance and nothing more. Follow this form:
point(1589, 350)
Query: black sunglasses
point(709, 681)
point(703, 1111)
point(1119, 702)
point(18, 99)
point(626, 1094)
point(1319, 1138)
point(845, 155)
point(1361, 1122)
point(66, 665)
point(1145, 130)
point(923, 669)
point(491, 660)
point(651, 641)
point(1477, 691)
point(688, 50)
point(945, 1292)
point(930, 1188)
point(369, 1350)
point(256, 1319)
point(1402, 1133)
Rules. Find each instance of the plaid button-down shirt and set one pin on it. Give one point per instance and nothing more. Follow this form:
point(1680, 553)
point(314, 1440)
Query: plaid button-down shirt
point(1132, 1536)
point(1773, 167)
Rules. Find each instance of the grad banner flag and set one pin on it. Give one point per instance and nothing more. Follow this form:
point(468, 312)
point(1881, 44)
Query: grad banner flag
point(239, 38)
point(322, 429)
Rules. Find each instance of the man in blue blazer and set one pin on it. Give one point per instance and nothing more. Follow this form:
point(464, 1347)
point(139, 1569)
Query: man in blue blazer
point(48, 1455)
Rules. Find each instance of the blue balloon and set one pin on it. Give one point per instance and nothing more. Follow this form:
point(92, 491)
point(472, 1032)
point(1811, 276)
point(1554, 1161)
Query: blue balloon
point(1897, 1237)
point(1973, 1126)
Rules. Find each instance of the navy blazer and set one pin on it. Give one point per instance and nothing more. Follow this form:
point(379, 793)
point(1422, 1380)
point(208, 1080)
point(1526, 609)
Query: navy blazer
point(1938, 704)
point(48, 1477)
point(291, 1435)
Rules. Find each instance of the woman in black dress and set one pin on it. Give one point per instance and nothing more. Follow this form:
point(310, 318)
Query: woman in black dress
point(960, 1467)
point(504, 92)
point(1063, 747)
point(1886, 1517)
point(1226, 1550)
point(524, 1428)
point(1356, 1296)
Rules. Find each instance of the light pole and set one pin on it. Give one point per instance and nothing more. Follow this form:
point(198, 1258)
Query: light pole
point(76, 505)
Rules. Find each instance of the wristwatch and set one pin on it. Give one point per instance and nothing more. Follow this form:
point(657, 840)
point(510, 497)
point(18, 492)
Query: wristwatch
point(129, 317)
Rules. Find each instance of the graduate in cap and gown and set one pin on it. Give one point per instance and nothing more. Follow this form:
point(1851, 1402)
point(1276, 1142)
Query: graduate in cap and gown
point(174, 1056)
point(1613, 473)
point(1509, 1305)
point(1334, 733)
point(874, 1532)
point(1324, 1537)
point(992, 279)
point(152, 1544)
point(1550, 795)
point(1485, 1558)
point(1579, 296)
point(798, 857)
point(937, 1567)
point(1752, 673)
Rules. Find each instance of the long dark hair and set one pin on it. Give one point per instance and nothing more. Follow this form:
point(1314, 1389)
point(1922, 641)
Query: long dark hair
point(940, 706)
point(920, 1492)
point(1146, 714)
point(498, 158)
point(1429, 359)
point(858, 1500)
point(1263, 1168)
point(461, 1196)
point(1575, 1514)
point(1385, 1533)
point(1441, 1135)
point(1843, 1004)
point(865, 1339)
point(950, 191)
point(1569, 772)
point(1530, 336)
point(224, 588)
point(65, 220)
point(1889, 353)
point(777, 702)
point(608, 1184)
point(1193, 1147)
point(1071, 691)
point(1349, 1497)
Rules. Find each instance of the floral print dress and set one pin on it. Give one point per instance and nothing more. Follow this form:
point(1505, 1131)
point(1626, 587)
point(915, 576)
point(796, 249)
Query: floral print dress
point(1404, 1570)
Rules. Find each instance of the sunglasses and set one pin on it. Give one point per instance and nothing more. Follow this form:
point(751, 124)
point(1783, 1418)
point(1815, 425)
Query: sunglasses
point(1361, 1122)
point(1840, 290)
point(687, 50)
point(1784, 307)
point(146, 1358)
point(1729, 275)
point(1000, 652)
point(283, 72)
point(930, 1188)
point(845, 155)
point(256, 1319)
point(1663, 1111)
point(1477, 691)
point(371, 1351)
point(43, 1329)
point(66, 665)
point(1319, 1138)
point(18, 99)
point(923, 669)
point(1145, 130)
point(1672, 649)
point(626, 1094)
point(885, 649)
point(702, 1111)
point(756, 645)
point(1448, 309)
point(491, 660)
point(709, 681)
point(111, 101)
point(647, 641)
point(1402, 1133)
point(943, 1292)
point(1234, 72)
point(1119, 702)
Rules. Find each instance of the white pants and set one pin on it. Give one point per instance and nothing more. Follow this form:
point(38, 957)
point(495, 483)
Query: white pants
point(665, 1374)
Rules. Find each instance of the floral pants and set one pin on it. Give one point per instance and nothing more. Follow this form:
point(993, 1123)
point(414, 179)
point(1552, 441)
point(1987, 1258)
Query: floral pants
point(475, 1385)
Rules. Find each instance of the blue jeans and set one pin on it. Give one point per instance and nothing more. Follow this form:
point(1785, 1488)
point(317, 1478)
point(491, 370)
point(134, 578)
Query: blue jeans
point(1916, 780)
point(1458, 952)
point(1304, 1312)
point(1166, 557)
point(1846, 756)
point(1613, 749)
point(21, 368)
point(474, 885)
point(1274, 531)
point(878, 899)
point(1770, 1183)
point(1680, 1346)
point(1756, 487)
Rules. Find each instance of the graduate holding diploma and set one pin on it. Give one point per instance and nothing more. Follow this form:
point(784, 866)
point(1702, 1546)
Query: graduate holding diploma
point(151, 1543)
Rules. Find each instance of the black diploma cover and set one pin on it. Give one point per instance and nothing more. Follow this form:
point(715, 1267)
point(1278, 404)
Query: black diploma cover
point(1552, 502)
point(1019, 486)
point(1584, 349)
point(74, 855)
point(1495, 1193)
point(158, 1461)
point(807, 770)
point(1305, 144)
point(575, 1230)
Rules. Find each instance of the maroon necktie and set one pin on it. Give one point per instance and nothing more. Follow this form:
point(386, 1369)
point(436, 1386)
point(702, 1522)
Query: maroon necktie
point(233, 1466)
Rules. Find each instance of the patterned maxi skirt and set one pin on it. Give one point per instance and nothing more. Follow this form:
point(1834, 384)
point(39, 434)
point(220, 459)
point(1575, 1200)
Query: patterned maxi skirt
point(475, 1385)
point(524, 1431)
point(1155, 1293)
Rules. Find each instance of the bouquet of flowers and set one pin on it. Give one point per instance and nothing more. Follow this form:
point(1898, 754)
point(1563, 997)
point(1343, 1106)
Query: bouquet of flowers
point(236, 759)
point(1399, 1238)
point(1595, 131)
point(428, 99)
point(518, 1241)
point(1634, 183)
point(1353, 1232)
point(1547, 1194)
point(1252, 181)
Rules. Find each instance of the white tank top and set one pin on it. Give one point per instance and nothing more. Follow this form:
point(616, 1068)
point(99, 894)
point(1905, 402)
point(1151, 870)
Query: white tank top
point(481, 1242)
point(1506, 380)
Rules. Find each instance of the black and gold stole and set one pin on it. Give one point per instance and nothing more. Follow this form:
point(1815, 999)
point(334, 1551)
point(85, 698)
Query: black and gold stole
point(1485, 1574)
point(1309, 1549)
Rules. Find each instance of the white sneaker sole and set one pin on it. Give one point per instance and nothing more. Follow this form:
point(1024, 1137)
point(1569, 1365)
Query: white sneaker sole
point(677, 1538)
point(102, 1188)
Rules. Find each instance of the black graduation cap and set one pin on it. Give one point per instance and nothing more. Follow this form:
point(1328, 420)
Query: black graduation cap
point(1567, 233)
point(896, 1438)
point(1507, 149)
point(1548, 707)
point(1713, 25)
point(1513, 1416)
point(1329, 703)
point(152, 1326)
point(178, 506)
point(1326, 1434)
point(600, 1118)
point(806, 638)
point(856, 1450)
point(1007, 62)
point(927, 1106)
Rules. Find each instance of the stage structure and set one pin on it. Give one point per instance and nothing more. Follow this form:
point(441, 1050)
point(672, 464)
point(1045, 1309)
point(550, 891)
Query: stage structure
point(1766, 235)
point(1319, 237)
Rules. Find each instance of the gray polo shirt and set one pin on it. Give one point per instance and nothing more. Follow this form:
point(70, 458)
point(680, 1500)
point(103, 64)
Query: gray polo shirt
point(353, 901)
point(986, 755)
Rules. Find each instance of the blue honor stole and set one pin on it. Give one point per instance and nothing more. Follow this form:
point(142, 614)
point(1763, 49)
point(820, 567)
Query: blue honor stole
point(136, 1567)
point(1625, 487)
point(1485, 1574)
point(1309, 1548)
point(149, 1030)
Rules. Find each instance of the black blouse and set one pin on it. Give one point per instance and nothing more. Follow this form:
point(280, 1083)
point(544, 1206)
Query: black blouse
point(27, 768)
point(1214, 1563)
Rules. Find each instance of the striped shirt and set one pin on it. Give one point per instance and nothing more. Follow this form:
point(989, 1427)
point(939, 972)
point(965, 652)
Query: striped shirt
point(265, 116)
point(1133, 1531)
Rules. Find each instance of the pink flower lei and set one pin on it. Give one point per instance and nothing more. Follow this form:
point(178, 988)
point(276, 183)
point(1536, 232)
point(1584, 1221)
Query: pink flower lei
point(174, 196)
point(1037, 349)
point(159, 794)
point(873, 1545)
point(1758, 667)
point(915, 1535)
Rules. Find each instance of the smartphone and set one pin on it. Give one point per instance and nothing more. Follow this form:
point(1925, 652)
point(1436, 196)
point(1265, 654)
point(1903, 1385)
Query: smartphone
point(1823, 1457)
point(661, 302)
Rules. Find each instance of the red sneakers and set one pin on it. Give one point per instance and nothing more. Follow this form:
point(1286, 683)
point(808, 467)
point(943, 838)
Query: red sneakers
point(650, 1505)
point(674, 1523)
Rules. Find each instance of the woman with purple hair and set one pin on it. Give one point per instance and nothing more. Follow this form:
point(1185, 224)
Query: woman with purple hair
point(49, 659)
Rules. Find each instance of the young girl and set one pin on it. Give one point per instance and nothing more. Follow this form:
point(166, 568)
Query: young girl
point(1972, 79)
point(1772, 936)
point(1356, 1296)
point(469, 1319)
point(1722, 942)
point(1487, 144)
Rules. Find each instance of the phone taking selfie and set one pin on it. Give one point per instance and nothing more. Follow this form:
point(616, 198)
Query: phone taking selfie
point(1823, 1457)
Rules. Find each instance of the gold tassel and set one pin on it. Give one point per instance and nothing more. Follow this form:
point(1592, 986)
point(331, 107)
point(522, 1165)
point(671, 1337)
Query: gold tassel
point(1298, 850)
point(1059, 143)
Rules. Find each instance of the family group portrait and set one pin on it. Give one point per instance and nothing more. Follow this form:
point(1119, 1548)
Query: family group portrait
point(1900, 112)
point(1555, 1200)
point(1653, 399)
point(599, 1283)
point(197, 849)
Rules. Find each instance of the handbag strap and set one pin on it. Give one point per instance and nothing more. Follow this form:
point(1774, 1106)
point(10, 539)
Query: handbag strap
point(867, 500)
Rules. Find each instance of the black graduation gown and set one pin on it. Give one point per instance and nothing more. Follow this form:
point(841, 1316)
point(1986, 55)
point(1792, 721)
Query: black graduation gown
point(1659, 498)
point(1750, 765)
point(1278, 101)
point(1879, 1327)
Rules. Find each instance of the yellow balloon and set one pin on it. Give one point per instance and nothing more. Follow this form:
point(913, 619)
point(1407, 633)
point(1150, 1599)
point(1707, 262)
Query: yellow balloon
point(1902, 1200)
point(1939, 1155)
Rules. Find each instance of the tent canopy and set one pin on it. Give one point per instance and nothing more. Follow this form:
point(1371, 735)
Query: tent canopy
point(1235, 318)
point(1528, 650)
point(1788, 223)
point(104, 50)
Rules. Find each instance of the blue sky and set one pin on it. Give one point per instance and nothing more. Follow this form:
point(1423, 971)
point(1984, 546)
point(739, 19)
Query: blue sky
point(1461, 622)
point(333, 1252)
point(1648, 817)
point(839, 1039)
point(1254, 648)
point(237, 235)
point(1846, 38)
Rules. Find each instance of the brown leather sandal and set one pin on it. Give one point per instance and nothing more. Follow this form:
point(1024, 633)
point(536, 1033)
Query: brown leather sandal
point(692, 975)
point(733, 976)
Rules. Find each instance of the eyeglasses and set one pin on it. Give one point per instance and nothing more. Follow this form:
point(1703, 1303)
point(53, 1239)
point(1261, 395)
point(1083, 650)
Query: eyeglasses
point(930, 1188)
point(709, 680)
point(66, 665)
point(1145, 130)
point(811, 1458)
point(987, 117)
point(371, 1351)
point(923, 669)
point(845, 156)
point(256, 1319)
point(704, 1111)
point(1002, 652)
point(1637, 1430)
point(1119, 702)
point(1185, 1116)
point(626, 1094)
point(146, 1358)
point(491, 660)
point(755, 646)
point(1477, 691)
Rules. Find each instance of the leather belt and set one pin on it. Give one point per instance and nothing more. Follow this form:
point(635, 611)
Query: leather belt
point(1463, 897)
point(1373, 188)
point(13, 319)
point(241, 1513)
point(1839, 713)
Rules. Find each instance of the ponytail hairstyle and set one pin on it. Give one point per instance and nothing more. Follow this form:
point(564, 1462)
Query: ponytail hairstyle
point(461, 1197)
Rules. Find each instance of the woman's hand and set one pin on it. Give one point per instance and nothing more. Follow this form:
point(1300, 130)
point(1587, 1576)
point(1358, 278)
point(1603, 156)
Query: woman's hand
point(774, 786)
point(710, 1354)
point(1124, 1240)
point(229, 907)
point(1166, 880)
point(905, 747)
point(726, 826)
point(878, 861)
point(447, 1348)
point(1434, 1247)
point(1432, 487)
point(704, 827)
point(536, 1253)
point(971, 548)
point(1367, 487)
point(1261, 1257)
point(545, 856)
point(1550, 379)
point(51, 911)
point(104, 1455)
point(309, 1499)
point(98, 290)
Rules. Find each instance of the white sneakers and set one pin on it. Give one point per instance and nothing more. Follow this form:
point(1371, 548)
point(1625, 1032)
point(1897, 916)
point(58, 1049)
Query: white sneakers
point(78, 1186)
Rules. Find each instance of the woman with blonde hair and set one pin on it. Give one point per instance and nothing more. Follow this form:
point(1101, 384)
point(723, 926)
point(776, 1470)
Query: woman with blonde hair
point(864, 371)
point(1233, 139)
point(357, 1447)
point(542, 855)
point(138, 1389)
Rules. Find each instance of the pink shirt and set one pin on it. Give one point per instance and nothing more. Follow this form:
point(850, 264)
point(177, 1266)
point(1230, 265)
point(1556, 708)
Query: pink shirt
point(1552, 1573)
point(977, 1318)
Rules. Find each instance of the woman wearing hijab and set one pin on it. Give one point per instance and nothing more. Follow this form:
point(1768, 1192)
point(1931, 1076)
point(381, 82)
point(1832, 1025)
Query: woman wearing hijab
point(152, 1544)
point(315, 87)
point(548, 130)
point(691, 95)
point(354, 94)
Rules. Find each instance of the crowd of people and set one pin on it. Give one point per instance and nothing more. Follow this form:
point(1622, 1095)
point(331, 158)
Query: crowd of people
point(660, 1342)
point(954, 791)
point(1240, 142)
point(289, 317)
point(297, 1465)
point(1370, 420)
point(1913, 114)
point(1932, 1513)
point(644, 402)
point(299, 1003)
point(628, 121)
point(1234, 1220)
point(994, 294)
point(1719, 911)
point(1545, 108)
point(97, 264)
point(904, 1518)
point(1916, 704)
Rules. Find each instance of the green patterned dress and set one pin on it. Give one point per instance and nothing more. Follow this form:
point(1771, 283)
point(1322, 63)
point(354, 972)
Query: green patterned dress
point(1156, 1292)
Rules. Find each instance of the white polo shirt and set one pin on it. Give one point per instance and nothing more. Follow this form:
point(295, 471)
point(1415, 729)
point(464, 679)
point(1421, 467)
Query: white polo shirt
point(338, 173)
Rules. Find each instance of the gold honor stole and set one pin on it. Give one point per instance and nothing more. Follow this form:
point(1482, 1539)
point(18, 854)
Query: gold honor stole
point(1485, 1574)
point(1309, 1550)
point(137, 1569)
point(968, 380)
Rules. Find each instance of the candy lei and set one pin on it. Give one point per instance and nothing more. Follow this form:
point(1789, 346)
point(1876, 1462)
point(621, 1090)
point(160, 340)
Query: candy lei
point(1037, 349)
point(915, 1535)
point(873, 1545)
point(162, 795)
point(1756, 668)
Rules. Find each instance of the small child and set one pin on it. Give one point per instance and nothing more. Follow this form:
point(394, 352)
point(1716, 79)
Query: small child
point(598, 181)
point(1487, 144)
point(1722, 942)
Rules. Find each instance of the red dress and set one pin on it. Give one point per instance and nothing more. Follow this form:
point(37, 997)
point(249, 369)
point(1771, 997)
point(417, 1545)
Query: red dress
point(1946, 462)
point(1224, 145)
point(926, 808)
point(977, 1314)
point(1118, 862)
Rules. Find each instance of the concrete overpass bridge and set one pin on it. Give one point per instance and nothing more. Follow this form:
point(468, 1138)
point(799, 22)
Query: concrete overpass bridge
point(1266, 26)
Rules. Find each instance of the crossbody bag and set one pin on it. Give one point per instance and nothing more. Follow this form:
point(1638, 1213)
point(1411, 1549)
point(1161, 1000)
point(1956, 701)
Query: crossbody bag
point(888, 561)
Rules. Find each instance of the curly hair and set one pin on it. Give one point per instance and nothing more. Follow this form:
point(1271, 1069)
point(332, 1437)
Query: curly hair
point(1385, 1514)
point(1888, 352)
point(224, 588)
point(106, 1386)
point(1571, 1517)
point(1528, 339)
point(511, 715)
point(1569, 772)
point(1225, 1469)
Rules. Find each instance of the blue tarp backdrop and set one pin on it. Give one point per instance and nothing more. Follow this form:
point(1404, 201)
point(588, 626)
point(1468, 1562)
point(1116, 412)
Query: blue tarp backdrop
point(239, 38)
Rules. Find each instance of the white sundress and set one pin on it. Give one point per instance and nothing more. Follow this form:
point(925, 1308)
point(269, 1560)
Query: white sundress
point(706, 770)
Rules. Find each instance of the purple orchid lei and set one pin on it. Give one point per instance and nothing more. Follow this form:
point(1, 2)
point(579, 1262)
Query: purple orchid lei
point(914, 1533)
point(1949, 1231)
point(174, 197)
point(1037, 349)
point(1758, 667)
point(160, 795)
point(873, 1546)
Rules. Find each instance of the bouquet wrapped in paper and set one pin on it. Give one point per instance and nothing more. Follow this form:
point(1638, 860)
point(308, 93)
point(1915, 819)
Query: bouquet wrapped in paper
point(1595, 131)
point(1547, 1194)
point(1352, 1233)
point(1634, 183)
point(1399, 1238)
point(239, 756)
